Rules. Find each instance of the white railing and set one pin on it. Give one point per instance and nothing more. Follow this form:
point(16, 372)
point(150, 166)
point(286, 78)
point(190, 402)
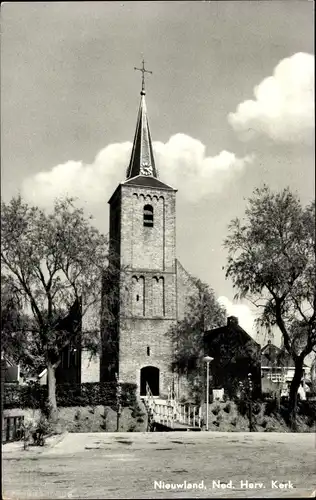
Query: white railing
point(169, 412)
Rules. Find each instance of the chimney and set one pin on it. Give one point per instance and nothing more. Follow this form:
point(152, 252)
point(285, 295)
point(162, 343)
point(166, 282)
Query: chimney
point(232, 320)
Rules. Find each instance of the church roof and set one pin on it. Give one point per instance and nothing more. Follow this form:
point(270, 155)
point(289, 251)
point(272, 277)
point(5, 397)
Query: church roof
point(148, 181)
point(142, 160)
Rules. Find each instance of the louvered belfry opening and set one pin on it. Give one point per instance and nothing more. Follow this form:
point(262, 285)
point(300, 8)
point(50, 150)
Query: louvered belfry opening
point(148, 216)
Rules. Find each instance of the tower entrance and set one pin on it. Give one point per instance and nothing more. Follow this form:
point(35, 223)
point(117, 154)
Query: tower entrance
point(149, 375)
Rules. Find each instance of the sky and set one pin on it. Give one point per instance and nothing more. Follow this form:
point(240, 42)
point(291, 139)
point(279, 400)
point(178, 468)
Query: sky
point(230, 105)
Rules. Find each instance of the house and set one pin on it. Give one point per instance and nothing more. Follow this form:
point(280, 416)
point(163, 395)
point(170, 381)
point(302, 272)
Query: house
point(277, 371)
point(236, 354)
point(10, 370)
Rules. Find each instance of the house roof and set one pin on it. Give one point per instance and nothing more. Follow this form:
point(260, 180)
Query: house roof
point(232, 326)
point(272, 356)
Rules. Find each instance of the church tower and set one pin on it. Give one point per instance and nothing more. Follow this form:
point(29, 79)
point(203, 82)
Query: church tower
point(143, 237)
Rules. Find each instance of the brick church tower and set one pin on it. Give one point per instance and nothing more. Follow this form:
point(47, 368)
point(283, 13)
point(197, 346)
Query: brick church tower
point(143, 238)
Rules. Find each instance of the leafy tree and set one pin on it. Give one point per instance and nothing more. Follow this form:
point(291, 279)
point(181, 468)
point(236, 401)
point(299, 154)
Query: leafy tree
point(313, 373)
point(271, 261)
point(203, 313)
point(14, 322)
point(54, 263)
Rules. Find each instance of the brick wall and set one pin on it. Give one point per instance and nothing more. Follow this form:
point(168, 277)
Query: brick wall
point(148, 291)
point(148, 248)
point(144, 342)
point(185, 289)
point(90, 367)
point(154, 289)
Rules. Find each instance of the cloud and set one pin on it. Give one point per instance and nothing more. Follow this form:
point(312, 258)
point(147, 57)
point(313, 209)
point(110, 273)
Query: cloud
point(181, 161)
point(283, 108)
point(245, 315)
point(91, 183)
point(184, 164)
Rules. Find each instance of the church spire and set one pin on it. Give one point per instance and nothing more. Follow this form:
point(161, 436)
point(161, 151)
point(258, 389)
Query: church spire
point(142, 160)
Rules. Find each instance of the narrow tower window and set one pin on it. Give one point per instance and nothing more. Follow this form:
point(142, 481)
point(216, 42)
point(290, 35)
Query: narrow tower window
point(148, 216)
point(148, 351)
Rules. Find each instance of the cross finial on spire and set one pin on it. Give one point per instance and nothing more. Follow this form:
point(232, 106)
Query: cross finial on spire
point(143, 70)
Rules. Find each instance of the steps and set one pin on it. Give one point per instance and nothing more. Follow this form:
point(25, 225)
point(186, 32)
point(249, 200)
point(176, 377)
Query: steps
point(169, 415)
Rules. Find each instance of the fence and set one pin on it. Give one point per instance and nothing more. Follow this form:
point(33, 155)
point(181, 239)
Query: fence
point(12, 428)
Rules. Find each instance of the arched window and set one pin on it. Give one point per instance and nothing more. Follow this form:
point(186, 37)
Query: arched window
point(158, 296)
point(148, 216)
point(138, 296)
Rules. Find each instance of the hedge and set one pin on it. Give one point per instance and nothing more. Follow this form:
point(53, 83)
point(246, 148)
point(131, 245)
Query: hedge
point(87, 394)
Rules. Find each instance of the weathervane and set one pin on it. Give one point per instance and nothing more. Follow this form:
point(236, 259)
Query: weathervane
point(143, 70)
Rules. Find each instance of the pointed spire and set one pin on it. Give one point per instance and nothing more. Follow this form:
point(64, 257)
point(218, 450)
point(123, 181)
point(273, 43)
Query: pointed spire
point(142, 159)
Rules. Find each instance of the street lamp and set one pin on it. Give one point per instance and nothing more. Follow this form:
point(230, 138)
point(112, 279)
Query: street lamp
point(207, 360)
point(250, 388)
point(118, 403)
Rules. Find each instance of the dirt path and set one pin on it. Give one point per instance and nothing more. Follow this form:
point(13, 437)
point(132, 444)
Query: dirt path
point(197, 465)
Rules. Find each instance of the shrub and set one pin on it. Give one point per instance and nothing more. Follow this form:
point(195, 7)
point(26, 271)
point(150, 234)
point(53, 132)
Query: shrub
point(136, 412)
point(216, 410)
point(242, 406)
point(77, 415)
point(42, 429)
point(67, 395)
point(31, 395)
point(271, 407)
point(234, 421)
point(104, 419)
point(270, 427)
point(256, 408)
point(227, 408)
point(307, 408)
point(27, 429)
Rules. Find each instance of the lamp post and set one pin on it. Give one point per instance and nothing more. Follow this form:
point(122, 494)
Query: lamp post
point(118, 404)
point(207, 360)
point(250, 388)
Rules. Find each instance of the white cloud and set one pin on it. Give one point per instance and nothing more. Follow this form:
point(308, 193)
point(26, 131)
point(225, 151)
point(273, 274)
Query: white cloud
point(91, 183)
point(283, 108)
point(246, 317)
point(181, 162)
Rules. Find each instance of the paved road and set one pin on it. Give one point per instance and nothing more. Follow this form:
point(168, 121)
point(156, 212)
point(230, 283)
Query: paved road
point(136, 465)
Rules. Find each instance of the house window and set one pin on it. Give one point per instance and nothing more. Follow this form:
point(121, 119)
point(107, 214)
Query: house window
point(148, 216)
